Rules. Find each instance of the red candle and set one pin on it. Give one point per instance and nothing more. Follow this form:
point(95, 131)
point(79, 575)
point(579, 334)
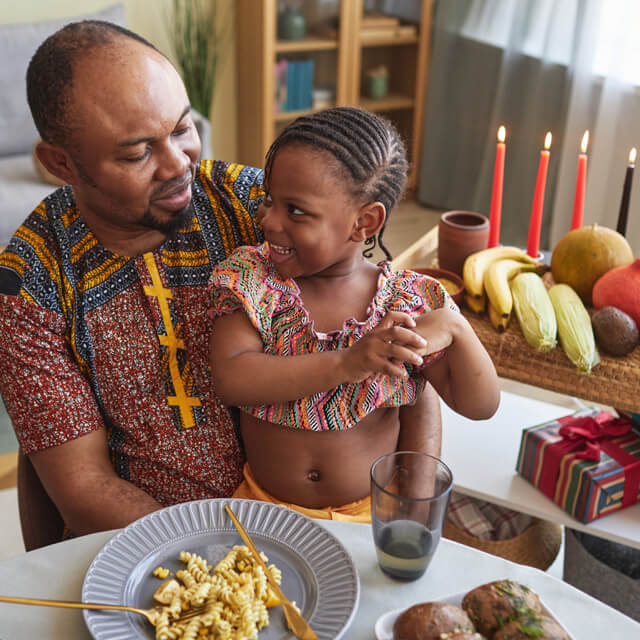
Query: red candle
point(581, 182)
point(533, 241)
point(626, 194)
point(496, 192)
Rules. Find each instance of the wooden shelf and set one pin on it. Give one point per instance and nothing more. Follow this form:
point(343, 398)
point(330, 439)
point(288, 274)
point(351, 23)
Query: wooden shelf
point(308, 44)
point(388, 42)
point(342, 59)
point(285, 116)
point(390, 103)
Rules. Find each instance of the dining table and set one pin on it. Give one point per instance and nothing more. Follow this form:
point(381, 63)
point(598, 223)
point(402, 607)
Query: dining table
point(58, 572)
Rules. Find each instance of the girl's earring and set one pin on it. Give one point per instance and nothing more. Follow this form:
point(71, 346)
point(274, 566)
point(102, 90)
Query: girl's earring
point(370, 245)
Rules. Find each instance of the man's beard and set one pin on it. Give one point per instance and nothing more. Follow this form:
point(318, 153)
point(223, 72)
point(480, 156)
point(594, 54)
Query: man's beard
point(178, 219)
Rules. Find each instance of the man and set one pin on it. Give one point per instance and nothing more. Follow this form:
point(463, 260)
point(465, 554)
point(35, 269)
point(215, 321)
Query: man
point(103, 324)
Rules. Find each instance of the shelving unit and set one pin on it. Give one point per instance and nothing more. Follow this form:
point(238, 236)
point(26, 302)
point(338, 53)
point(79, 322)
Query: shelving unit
point(341, 62)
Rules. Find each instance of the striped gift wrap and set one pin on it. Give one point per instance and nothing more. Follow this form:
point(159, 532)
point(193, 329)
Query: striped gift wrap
point(587, 489)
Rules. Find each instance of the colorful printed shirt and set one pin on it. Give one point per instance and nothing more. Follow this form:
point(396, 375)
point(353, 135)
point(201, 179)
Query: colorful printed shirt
point(91, 339)
point(248, 280)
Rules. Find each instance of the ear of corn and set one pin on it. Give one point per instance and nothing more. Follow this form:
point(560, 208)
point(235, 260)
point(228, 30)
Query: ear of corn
point(574, 327)
point(534, 311)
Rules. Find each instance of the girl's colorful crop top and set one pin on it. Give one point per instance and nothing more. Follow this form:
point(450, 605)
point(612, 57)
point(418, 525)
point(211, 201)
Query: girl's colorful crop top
point(248, 280)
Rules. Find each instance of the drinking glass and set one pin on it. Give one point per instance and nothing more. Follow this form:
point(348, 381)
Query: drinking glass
point(410, 494)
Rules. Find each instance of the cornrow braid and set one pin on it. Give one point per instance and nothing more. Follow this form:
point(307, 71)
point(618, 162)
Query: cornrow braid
point(366, 144)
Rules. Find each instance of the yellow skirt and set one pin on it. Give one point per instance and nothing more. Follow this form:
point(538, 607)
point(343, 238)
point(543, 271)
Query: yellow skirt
point(358, 511)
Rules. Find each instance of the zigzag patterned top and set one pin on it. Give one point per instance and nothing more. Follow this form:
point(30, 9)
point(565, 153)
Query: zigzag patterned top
point(248, 280)
point(91, 339)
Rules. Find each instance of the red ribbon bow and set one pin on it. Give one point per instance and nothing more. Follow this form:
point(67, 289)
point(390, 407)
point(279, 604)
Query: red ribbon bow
point(591, 431)
point(591, 434)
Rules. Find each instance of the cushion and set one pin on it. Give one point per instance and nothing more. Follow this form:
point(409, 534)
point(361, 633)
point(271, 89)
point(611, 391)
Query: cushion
point(18, 43)
point(21, 190)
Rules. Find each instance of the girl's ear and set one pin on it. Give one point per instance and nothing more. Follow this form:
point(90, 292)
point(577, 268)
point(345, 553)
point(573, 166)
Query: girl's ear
point(56, 160)
point(369, 221)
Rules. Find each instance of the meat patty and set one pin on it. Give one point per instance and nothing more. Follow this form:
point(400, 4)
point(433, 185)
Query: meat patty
point(491, 606)
point(532, 626)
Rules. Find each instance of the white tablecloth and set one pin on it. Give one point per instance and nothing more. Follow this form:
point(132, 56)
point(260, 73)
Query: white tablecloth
point(58, 571)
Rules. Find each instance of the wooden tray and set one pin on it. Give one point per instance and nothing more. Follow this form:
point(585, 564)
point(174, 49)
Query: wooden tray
point(614, 381)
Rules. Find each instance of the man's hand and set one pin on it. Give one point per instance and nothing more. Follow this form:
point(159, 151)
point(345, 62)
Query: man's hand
point(385, 349)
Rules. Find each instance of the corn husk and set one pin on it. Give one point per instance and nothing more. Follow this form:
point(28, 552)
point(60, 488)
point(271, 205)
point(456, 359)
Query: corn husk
point(574, 327)
point(534, 311)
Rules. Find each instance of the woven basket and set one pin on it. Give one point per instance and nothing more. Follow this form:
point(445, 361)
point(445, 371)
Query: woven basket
point(537, 546)
point(612, 382)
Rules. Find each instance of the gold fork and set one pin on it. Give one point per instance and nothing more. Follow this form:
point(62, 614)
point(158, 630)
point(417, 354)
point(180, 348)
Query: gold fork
point(150, 614)
point(296, 622)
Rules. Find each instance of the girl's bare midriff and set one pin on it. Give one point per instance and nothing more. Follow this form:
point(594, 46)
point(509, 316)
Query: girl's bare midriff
point(318, 469)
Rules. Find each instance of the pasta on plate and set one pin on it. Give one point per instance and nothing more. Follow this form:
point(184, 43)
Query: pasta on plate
point(235, 595)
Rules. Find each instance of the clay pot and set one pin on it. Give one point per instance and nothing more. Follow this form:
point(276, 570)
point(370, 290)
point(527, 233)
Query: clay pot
point(460, 233)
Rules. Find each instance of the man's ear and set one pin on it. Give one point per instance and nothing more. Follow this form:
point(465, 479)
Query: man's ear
point(57, 161)
point(370, 218)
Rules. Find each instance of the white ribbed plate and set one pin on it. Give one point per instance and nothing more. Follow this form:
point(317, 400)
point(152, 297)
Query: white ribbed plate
point(317, 571)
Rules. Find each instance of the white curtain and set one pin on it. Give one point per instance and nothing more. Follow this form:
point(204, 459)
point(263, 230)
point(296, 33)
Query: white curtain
point(533, 65)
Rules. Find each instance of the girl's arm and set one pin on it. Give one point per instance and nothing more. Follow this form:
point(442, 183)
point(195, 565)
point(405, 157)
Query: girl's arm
point(243, 374)
point(420, 430)
point(465, 376)
point(421, 424)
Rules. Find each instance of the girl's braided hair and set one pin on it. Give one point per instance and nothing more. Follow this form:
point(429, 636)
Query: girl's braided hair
point(366, 144)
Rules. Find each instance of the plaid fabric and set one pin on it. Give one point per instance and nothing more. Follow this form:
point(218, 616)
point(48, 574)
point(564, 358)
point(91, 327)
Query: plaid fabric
point(486, 520)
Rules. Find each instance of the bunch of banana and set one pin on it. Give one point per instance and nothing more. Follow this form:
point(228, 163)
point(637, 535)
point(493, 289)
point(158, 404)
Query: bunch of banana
point(487, 273)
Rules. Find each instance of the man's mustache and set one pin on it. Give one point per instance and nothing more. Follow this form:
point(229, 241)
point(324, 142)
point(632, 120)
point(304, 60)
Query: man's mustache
point(173, 186)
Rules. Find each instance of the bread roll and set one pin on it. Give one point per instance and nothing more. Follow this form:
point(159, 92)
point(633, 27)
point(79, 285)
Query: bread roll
point(429, 620)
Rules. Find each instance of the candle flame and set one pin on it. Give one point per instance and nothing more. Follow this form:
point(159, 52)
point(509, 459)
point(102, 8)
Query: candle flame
point(547, 140)
point(585, 141)
point(632, 155)
point(502, 133)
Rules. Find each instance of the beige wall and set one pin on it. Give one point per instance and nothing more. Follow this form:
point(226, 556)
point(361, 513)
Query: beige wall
point(149, 19)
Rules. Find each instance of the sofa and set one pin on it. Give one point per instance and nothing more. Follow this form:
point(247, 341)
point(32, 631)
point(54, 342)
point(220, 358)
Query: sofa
point(23, 183)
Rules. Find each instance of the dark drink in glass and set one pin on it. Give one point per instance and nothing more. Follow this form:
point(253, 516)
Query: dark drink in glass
point(409, 500)
point(405, 549)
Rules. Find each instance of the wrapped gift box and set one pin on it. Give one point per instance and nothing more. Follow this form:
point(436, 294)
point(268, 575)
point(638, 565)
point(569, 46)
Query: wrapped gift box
point(588, 463)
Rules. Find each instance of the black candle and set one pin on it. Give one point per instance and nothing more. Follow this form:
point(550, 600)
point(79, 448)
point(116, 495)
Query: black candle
point(626, 194)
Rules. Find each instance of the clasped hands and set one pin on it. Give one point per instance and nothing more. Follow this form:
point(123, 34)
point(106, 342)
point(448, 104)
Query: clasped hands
point(399, 338)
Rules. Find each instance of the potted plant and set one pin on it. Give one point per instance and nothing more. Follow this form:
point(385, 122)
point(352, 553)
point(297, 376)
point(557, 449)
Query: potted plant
point(199, 30)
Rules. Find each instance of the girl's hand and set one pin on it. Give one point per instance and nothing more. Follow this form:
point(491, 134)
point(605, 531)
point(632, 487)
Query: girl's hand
point(438, 328)
point(385, 349)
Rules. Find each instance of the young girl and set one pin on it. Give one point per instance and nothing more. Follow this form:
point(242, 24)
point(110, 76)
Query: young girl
point(326, 353)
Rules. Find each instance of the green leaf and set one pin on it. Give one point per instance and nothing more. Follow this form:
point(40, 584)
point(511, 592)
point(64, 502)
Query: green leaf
point(199, 35)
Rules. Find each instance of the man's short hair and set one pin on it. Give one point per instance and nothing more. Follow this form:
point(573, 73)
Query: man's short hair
point(50, 73)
